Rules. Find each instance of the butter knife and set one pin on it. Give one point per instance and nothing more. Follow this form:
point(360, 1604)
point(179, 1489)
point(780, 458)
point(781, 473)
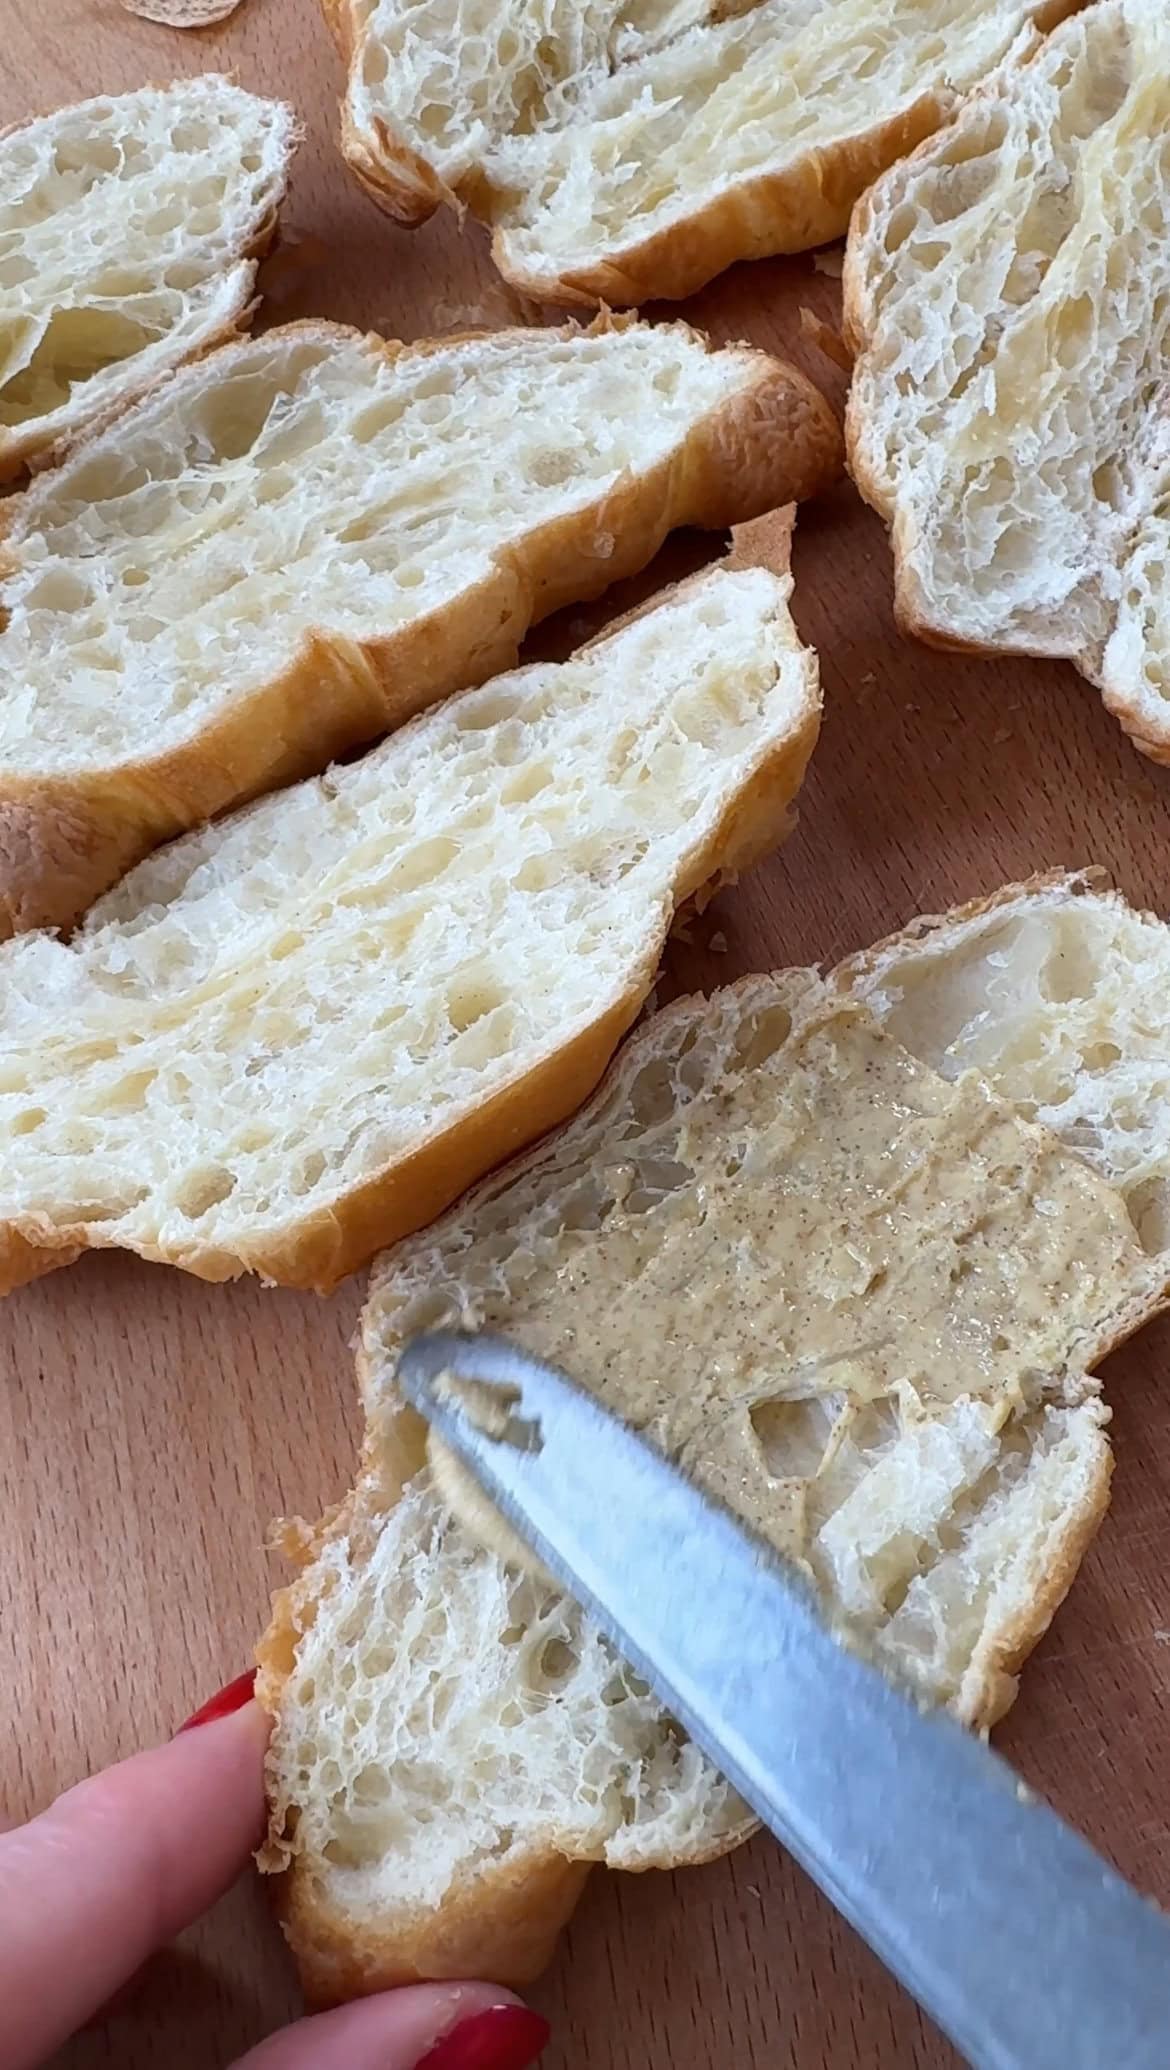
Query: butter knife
point(1020, 1941)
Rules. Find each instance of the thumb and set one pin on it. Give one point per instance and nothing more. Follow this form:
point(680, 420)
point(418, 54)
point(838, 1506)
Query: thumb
point(424, 2027)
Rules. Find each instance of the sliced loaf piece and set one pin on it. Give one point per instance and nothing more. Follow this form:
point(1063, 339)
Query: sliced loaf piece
point(298, 1034)
point(130, 230)
point(624, 151)
point(296, 544)
point(855, 1293)
point(1007, 291)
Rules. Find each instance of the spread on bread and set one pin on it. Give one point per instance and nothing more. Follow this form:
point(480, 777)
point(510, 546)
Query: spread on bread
point(850, 1249)
point(847, 1248)
point(830, 1252)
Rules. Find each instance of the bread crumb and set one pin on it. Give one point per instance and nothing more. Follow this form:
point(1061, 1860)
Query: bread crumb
point(498, 307)
point(182, 14)
point(718, 943)
point(825, 338)
point(831, 261)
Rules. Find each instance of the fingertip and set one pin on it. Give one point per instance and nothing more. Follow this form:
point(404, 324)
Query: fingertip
point(420, 2027)
point(502, 2037)
point(234, 1696)
point(117, 1866)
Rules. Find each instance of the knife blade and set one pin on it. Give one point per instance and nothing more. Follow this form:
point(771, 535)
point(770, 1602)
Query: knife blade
point(1019, 1940)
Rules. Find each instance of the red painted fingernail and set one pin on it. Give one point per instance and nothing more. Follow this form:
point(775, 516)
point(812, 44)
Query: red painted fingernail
point(506, 2037)
point(233, 1698)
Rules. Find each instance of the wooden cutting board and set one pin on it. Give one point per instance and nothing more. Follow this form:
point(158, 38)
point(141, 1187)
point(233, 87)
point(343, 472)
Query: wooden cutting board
point(151, 1426)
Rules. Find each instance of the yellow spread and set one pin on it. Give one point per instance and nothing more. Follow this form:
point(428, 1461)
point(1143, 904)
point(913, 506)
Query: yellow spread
point(830, 1246)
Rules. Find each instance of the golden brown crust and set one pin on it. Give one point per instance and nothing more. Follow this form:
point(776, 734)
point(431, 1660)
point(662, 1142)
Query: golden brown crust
point(805, 205)
point(65, 840)
point(791, 210)
point(22, 1259)
point(503, 1926)
point(763, 542)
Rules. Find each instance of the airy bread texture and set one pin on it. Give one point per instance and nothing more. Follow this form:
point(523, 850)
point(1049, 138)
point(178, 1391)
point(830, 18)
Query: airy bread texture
point(628, 150)
point(800, 1237)
point(1007, 291)
point(298, 1034)
point(130, 231)
point(301, 541)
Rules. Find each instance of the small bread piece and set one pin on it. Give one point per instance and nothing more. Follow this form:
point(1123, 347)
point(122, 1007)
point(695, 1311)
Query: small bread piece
point(298, 543)
point(1007, 291)
point(298, 1034)
point(856, 1294)
point(625, 151)
point(130, 230)
point(182, 14)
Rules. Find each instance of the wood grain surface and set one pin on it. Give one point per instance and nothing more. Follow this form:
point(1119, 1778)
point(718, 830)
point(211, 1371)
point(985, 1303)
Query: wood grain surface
point(150, 1426)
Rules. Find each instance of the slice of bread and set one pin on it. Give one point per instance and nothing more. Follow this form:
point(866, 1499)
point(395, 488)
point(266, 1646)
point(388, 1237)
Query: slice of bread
point(1007, 291)
point(130, 230)
point(301, 541)
point(298, 1034)
point(624, 153)
point(803, 1240)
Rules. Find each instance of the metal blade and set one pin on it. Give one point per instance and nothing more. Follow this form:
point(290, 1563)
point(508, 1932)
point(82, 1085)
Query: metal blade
point(1028, 1950)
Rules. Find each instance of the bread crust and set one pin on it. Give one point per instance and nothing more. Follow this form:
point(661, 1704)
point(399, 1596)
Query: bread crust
point(65, 840)
point(316, 1252)
point(790, 210)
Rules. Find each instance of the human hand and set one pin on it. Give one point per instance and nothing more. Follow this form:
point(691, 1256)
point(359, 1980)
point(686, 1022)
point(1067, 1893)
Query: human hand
point(119, 1865)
